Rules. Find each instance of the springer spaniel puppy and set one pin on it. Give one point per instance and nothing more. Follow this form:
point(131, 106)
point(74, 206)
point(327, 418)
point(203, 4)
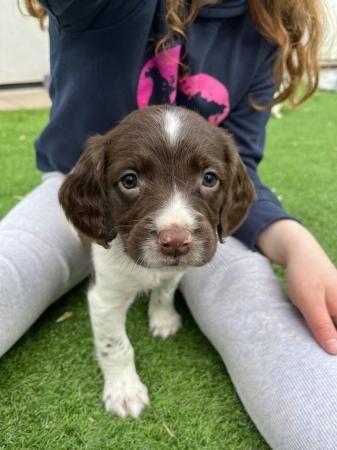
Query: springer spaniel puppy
point(153, 195)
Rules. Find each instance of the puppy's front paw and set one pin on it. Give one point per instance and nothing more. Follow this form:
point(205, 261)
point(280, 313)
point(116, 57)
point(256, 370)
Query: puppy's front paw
point(125, 396)
point(164, 322)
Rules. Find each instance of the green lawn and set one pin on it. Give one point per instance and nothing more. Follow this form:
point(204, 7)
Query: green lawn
point(50, 385)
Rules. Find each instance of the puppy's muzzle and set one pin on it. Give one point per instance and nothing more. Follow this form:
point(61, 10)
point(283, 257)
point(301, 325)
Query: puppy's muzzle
point(174, 241)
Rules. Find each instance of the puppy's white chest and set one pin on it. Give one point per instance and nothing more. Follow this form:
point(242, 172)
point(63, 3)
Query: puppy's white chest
point(115, 270)
point(152, 279)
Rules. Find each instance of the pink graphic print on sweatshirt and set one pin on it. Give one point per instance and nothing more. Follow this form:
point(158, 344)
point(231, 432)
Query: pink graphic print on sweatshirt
point(159, 82)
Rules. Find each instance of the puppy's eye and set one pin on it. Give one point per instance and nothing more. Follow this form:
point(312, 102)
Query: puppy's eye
point(129, 181)
point(210, 179)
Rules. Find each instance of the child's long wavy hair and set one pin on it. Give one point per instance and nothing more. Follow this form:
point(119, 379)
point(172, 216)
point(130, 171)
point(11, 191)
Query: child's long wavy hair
point(294, 25)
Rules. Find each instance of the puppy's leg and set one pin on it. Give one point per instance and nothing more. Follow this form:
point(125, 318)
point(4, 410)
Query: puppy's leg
point(164, 319)
point(124, 394)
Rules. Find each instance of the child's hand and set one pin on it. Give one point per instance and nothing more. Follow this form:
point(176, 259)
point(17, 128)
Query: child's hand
point(311, 277)
point(312, 287)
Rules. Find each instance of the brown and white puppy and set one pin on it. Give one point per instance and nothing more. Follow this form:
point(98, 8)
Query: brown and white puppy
point(154, 195)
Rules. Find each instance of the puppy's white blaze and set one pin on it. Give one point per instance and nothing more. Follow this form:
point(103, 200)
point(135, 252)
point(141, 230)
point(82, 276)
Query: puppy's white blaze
point(176, 212)
point(172, 126)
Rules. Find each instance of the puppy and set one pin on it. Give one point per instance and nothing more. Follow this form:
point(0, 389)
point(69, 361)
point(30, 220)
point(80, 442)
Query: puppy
point(153, 195)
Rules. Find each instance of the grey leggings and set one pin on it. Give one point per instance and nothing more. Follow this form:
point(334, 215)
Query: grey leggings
point(286, 382)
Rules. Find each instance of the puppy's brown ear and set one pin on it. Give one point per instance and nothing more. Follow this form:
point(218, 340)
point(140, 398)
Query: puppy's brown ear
point(83, 194)
point(240, 191)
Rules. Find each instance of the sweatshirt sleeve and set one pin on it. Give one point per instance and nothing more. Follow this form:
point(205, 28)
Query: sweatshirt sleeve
point(248, 127)
point(79, 15)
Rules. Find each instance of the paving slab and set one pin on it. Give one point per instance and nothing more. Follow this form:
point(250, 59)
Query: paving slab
point(28, 98)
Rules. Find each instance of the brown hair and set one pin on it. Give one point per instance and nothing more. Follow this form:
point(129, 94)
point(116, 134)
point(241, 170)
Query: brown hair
point(36, 10)
point(294, 25)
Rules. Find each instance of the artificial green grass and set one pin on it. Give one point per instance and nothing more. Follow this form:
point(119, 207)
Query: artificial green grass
point(50, 385)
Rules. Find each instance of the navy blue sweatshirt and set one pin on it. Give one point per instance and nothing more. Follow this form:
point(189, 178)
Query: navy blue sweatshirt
point(103, 66)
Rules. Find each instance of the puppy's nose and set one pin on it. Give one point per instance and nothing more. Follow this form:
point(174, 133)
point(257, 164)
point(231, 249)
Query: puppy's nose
point(175, 241)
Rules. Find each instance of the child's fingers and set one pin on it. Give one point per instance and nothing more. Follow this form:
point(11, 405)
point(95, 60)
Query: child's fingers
point(318, 317)
point(331, 301)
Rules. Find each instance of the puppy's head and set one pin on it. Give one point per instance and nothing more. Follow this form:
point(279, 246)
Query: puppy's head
point(166, 181)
